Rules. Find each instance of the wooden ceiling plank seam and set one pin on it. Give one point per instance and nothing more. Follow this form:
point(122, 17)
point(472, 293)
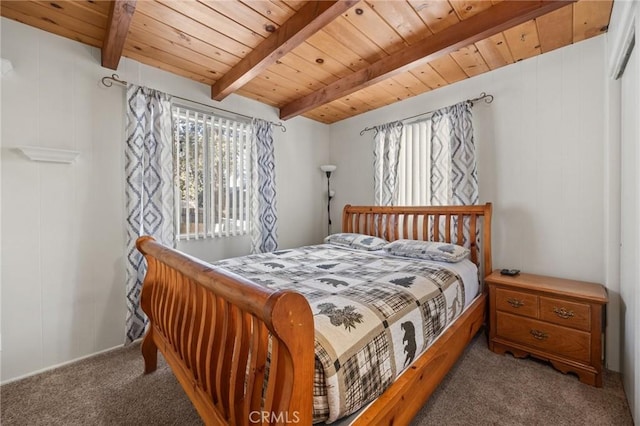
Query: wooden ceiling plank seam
point(294, 4)
point(369, 97)
point(555, 29)
point(523, 40)
point(467, 8)
point(159, 31)
point(135, 45)
point(394, 88)
point(329, 46)
point(437, 15)
point(314, 70)
point(590, 18)
point(185, 24)
point(208, 17)
point(137, 56)
point(293, 74)
point(429, 76)
point(402, 18)
point(242, 15)
point(342, 29)
point(169, 50)
point(279, 94)
point(411, 83)
point(480, 26)
point(470, 60)
point(360, 100)
point(56, 17)
point(48, 25)
point(118, 24)
point(495, 51)
point(285, 70)
point(283, 80)
point(375, 28)
point(281, 85)
point(260, 97)
point(77, 11)
point(279, 13)
point(310, 53)
point(307, 21)
point(98, 7)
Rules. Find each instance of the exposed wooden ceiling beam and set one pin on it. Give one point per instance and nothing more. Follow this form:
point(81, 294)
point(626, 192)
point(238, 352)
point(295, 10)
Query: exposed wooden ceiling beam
point(307, 21)
point(498, 18)
point(120, 16)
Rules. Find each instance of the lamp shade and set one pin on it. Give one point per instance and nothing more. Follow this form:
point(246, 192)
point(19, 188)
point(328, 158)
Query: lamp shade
point(328, 168)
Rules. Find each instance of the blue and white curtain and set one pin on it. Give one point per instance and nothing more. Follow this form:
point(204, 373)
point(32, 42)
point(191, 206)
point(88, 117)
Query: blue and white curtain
point(264, 229)
point(385, 162)
point(149, 189)
point(454, 174)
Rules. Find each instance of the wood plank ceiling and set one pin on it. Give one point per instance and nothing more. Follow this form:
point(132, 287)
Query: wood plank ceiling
point(326, 60)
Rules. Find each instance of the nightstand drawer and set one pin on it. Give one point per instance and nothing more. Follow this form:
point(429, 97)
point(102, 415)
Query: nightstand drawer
point(517, 302)
point(548, 337)
point(569, 314)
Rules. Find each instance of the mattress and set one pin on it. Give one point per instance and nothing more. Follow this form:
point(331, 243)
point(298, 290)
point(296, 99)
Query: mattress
point(374, 313)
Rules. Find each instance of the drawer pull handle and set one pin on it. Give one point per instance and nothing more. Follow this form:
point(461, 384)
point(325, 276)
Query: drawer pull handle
point(563, 313)
point(516, 303)
point(537, 334)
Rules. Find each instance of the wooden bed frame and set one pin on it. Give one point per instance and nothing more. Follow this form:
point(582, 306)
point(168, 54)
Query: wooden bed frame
point(216, 329)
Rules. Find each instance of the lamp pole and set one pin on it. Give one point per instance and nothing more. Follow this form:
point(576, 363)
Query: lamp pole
point(328, 169)
point(328, 202)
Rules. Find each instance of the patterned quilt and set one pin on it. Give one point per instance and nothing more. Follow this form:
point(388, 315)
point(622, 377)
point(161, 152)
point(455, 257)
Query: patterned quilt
point(373, 314)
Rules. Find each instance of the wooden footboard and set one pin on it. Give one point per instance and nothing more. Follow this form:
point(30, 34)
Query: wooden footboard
point(244, 354)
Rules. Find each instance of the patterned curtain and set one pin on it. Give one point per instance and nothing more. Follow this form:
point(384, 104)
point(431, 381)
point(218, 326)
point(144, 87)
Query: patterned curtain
point(385, 162)
point(149, 189)
point(264, 227)
point(454, 175)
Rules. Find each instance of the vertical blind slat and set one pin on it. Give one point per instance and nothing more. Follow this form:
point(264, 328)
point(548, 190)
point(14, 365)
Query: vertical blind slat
point(220, 179)
point(241, 138)
point(176, 179)
point(186, 178)
point(196, 208)
point(212, 192)
point(233, 173)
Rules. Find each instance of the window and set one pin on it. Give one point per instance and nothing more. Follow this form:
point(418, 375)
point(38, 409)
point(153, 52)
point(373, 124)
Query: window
point(212, 174)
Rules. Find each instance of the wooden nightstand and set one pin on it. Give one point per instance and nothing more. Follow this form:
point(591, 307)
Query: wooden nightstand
point(557, 320)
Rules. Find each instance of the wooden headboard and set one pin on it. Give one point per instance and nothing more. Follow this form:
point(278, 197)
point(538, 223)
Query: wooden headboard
point(468, 226)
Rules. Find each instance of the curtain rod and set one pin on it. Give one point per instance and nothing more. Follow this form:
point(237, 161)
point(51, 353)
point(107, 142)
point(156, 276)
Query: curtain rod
point(483, 96)
point(108, 82)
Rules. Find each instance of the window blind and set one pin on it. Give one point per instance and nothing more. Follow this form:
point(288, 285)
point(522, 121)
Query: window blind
point(212, 175)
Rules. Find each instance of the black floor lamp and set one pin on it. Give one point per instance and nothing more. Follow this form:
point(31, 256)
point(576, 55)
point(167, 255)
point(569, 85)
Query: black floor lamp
point(328, 169)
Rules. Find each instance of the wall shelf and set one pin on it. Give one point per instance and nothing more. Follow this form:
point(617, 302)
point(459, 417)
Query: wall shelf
point(50, 155)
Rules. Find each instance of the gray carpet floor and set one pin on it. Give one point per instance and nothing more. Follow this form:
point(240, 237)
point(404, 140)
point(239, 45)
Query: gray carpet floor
point(482, 389)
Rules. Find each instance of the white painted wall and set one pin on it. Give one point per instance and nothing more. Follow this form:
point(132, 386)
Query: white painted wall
point(63, 225)
point(623, 160)
point(540, 151)
point(630, 231)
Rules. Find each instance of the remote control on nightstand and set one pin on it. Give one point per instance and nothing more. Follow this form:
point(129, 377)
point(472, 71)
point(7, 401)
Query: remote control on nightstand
point(510, 272)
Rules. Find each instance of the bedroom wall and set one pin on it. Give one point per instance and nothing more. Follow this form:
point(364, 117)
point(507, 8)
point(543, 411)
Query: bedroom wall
point(63, 225)
point(540, 161)
point(622, 158)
